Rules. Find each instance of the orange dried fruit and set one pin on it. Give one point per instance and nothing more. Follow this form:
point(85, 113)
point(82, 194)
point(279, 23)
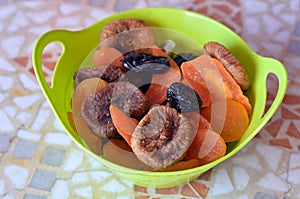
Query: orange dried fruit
point(108, 56)
point(207, 147)
point(119, 152)
point(125, 125)
point(156, 92)
point(183, 165)
point(232, 124)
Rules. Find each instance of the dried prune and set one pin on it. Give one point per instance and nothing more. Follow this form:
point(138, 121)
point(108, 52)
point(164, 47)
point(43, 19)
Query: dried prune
point(127, 35)
point(107, 73)
point(128, 98)
point(183, 98)
point(233, 66)
point(95, 111)
point(183, 57)
point(161, 138)
point(142, 62)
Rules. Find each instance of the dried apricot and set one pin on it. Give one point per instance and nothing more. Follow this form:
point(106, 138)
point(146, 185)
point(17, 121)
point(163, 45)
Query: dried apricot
point(125, 125)
point(183, 165)
point(207, 147)
point(119, 152)
point(231, 127)
point(157, 90)
point(108, 56)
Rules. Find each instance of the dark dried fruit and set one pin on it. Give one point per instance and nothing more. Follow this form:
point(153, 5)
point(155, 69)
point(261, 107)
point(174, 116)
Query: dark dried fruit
point(142, 62)
point(142, 80)
point(183, 98)
point(124, 95)
point(183, 57)
point(130, 100)
point(107, 73)
point(127, 35)
point(161, 138)
point(95, 111)
point(233, 66)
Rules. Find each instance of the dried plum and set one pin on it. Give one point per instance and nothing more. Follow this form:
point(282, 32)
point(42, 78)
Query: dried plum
point(183, 98)
point(107, 73)
point(183, 57)
point(127, 35)
point(128, 98)
point(142, 62)
point(95, 111)
point(233, 66)
point(161, 138)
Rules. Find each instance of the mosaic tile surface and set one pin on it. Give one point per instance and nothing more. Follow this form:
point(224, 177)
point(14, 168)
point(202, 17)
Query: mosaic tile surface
point(39, 160)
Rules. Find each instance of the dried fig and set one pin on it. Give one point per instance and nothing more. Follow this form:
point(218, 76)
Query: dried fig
point(162, 137)
point(107, 73)
point(124, 95)
point(233, 66)
point(128, 98)
point(127, 35)
point(95, 111)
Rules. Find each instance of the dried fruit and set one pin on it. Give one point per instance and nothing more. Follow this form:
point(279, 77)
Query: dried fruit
point(234, 123)
point(161, 138)
point(119, 152)
point(82, 91)
point(183, 98)
point(207, 147)
point(108, 56)
point(124, 124)
point(183, 57)
point(107, 73)
point(156, 92)
point(142, 80)
point(129, 99)
point(124, 95)
point(234, 67)
point(142, 62)
point(127, 35)
point(95, 111)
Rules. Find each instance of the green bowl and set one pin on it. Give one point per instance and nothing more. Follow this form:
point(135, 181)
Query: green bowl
point(77, 45)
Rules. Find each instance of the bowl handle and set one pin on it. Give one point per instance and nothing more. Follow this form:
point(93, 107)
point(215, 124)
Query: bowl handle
point(64, 38)
point(272, 66)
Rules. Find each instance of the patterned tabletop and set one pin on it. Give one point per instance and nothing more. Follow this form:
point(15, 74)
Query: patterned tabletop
point(37, 158)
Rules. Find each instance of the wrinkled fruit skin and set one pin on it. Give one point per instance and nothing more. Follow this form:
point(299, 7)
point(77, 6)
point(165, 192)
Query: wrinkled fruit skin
point(232, 65)
point(142, 62)
point(183, 98)
point(162, 137)
point(107, 73)
point(127, 35)
point(128, 98)
point(95, 111)
point(124, 95)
